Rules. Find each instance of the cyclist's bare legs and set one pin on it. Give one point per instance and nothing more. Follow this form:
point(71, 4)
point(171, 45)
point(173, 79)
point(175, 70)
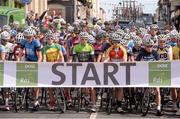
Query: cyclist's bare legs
point(158, 99)
point(174, 95)
point(119, 96)
point(36, 95)
point(93, 96)
point(51, 95)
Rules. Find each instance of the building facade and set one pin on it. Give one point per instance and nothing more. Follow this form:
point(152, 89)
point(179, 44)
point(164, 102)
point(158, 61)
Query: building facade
point(175, 13)
point(38, 6)
point(70, 10)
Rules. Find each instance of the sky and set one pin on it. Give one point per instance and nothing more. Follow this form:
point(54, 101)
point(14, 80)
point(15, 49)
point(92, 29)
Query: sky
point(149, 6)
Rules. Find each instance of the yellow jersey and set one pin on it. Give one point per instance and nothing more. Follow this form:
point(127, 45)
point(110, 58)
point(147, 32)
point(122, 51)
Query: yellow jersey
point(176, 52)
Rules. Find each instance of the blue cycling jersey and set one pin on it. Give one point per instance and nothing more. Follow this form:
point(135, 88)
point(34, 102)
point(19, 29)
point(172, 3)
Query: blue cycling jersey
point(63, 50)
point(30, 49)
point(145, 56)
point(172, 43)
point(130, 46)
point(2, 49)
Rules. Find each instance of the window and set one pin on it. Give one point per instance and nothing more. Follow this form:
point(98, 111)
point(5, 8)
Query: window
point(3, 20)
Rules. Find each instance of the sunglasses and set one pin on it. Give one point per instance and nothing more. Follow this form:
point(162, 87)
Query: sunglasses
point(49, 39)
point(149, 46)
point(84, 39)
point(162, 42)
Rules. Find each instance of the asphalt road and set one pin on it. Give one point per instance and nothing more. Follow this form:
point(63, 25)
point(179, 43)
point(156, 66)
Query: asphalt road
point(79, 115)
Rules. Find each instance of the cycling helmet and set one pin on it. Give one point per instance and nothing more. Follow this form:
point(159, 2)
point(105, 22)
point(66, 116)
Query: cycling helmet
point(172, 35)
point(147, 37)
point(123, 42)
point(111, 35)
point(154, 26)
point(56, 21)
point(6, 28)
point(51, 36)
point(126, 30)
point(5, 35)
point(148, 42)
point(29, 32)
point(13, 33)
point(82, 23)
point(99, 22)
point(49, 32)
point(95, 19)
point(70, 29)
point(115, 40)
point(91, 39)
point(90, 25)
point(97, 28)
point(84, 35)
point(127, 36)
point(76, 30)
point(99, 36)
point(116, 36)
point(137, 40)
point(19, 37)
point(178, 36)
point(162, 37)
point(120, 32)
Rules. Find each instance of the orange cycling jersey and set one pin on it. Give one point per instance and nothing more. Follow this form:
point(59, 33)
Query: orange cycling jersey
point(116, 53)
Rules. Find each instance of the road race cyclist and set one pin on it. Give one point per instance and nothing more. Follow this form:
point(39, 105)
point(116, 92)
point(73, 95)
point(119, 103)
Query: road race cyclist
point(84, 52)
point(117, 53)
point(149, 54)
point(33, 53)
point(5, 48)
point(52, 52)
point(176, 56)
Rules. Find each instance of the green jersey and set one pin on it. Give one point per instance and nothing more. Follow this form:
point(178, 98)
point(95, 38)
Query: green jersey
point(83, 52)
point(52, 52)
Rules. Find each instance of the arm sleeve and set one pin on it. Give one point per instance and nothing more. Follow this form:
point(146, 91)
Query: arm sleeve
point(42, 15)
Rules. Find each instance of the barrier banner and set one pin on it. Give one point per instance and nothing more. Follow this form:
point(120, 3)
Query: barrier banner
point(1, 73)
point(130, 74)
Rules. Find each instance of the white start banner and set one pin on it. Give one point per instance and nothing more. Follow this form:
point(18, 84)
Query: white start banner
point(134, 74)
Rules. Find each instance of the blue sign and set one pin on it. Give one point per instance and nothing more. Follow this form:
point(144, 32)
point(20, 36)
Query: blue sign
point(26, 1)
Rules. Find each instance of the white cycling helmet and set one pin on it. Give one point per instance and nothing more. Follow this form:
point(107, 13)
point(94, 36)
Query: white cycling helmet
point(123, 42)
point(149, 42)
point(137, 40)
point(5, 35)
point(28, 32)
point(19, 37)
point(127, 36)
point(51, 36)
point(84, 35)
point(116, 36)
point(162, 37)
point(6, 28)
point(91, 39)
